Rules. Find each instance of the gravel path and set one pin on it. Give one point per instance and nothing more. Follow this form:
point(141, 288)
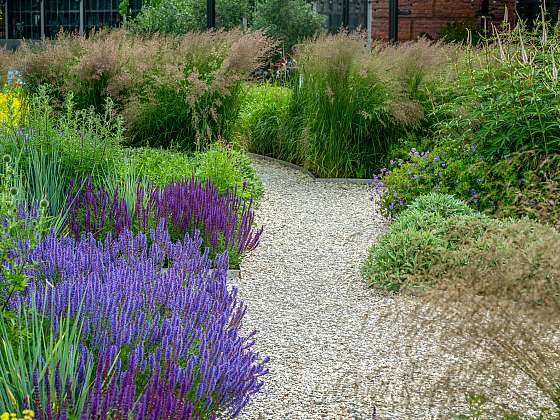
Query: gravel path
point(314, 316)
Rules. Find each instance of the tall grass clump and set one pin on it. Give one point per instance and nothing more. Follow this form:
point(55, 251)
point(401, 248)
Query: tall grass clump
point(354, 104)
point(261, 126)
point(178, 90)
point(346, 124)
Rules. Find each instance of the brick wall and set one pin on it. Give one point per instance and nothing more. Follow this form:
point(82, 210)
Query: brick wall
point(429, 16)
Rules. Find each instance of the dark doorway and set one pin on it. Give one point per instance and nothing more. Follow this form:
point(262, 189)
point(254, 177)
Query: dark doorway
point(351, 14)
point(530, 10)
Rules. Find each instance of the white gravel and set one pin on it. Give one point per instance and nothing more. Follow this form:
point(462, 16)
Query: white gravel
point(338, 349)
point(314, 315)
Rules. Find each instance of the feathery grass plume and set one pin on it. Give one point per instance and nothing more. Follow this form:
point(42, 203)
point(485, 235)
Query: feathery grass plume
point(194, 77)
point(490, 323)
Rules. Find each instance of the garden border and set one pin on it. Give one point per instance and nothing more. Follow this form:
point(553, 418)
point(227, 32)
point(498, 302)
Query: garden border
point(359, 181)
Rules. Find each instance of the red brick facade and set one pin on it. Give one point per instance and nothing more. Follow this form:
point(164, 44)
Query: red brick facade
point(429, 16)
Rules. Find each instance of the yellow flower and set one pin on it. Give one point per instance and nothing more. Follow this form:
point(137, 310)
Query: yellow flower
point(11, 108)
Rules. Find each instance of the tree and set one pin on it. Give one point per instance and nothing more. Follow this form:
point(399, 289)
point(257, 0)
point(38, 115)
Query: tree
point(289, 21)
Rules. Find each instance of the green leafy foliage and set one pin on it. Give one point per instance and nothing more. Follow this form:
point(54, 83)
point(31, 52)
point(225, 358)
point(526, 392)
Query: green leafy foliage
point(417, 240)
point(262, 123)
point(36, 349)
point(227, 168)
point(493, 135)
point(290, 21)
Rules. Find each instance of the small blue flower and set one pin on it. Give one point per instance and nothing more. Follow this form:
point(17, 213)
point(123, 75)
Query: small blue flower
point(473, 192)
point(478, 180)
point(436, 158)
point(392, 162)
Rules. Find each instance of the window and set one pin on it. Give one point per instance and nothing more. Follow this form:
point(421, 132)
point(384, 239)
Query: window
point(24, 19)
point(101, 14)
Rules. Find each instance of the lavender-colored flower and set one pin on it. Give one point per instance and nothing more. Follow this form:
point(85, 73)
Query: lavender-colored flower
point(152, 309)
point(225, 220)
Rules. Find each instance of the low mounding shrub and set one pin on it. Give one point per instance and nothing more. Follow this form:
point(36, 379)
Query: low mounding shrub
point(160, 330)
point(416, 240)
point(224, 220)
point(497, 309)
point(228, 169)
point(440, 240)
point(170, 90)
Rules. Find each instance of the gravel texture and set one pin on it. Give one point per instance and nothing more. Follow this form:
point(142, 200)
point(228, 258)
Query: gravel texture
point(331, 352)
point(338, 349)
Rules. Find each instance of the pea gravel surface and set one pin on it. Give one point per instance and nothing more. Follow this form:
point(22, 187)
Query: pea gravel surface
point(332, 353)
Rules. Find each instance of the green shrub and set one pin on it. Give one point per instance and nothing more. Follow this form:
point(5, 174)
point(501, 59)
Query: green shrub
point(159, 166)
point(170, 90)
point(399, 255)
point(227, 168)
point(442, 205)
point(182, 16)
point(290, 21)
point(447, 169)
point(416, 240)
point(462, 32)
point(261, 125)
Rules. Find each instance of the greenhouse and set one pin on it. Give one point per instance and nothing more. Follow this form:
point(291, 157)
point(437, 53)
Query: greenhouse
point(36, 19)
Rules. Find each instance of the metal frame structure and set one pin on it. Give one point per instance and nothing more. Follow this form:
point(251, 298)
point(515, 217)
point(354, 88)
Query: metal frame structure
point(40, 19)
